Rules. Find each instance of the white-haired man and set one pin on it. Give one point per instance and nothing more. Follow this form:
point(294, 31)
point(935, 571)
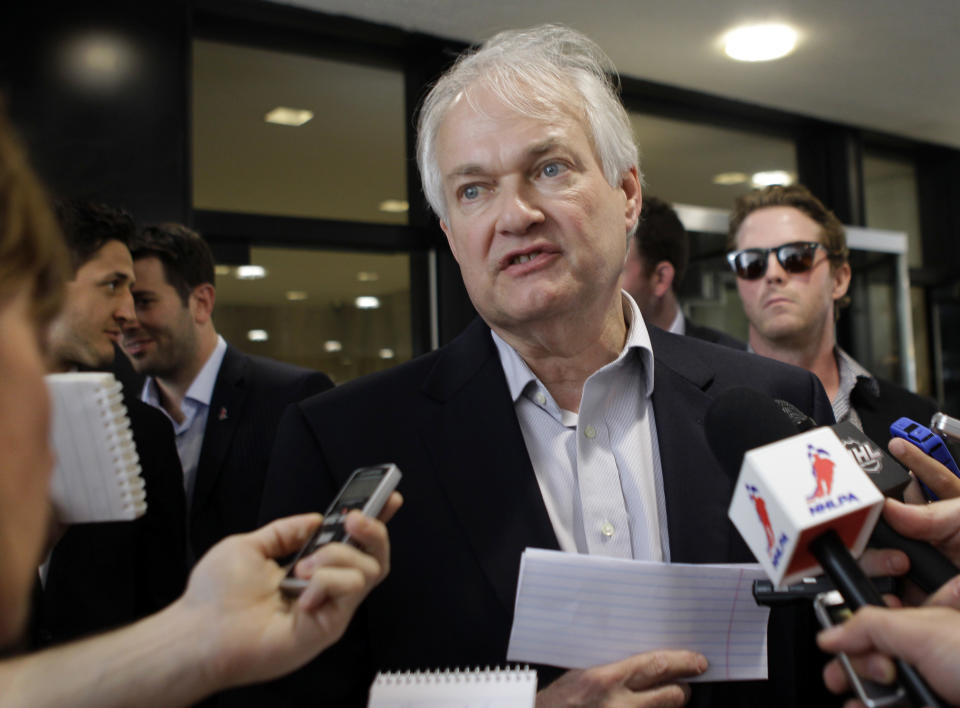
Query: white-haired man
point(555, 420)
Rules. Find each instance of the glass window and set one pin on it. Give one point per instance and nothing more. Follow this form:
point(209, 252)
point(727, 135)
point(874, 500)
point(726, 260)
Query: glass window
point(344, 313)
point(703, 165)
point(347, 162)
point(890, 197)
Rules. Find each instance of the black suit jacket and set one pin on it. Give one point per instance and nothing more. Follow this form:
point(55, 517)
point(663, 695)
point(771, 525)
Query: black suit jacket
point(472, 499)
point(708, 334)
point(878, 412)
point(102, 575)
point(248, 399)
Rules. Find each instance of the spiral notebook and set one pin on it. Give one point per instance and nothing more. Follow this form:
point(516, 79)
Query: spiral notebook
point(478, 688)
point(97, 473)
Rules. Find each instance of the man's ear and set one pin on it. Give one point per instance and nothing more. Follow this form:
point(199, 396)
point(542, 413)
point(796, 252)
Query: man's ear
point(630, 184)
point(446, 232)
point(662, 278)
point(201, 302)
point(841, 280)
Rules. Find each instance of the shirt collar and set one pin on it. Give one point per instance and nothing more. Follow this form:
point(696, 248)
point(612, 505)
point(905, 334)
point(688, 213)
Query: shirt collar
point(678, 326)
point(201, 388)
point(851, 372)
point(519, 375)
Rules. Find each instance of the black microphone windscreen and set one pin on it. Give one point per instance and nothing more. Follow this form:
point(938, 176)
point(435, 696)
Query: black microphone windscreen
point(741, 419)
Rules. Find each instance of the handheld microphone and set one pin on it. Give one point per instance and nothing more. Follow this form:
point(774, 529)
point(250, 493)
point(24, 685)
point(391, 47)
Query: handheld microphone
point(929, 568)
point(794, 530)
point(792, 490)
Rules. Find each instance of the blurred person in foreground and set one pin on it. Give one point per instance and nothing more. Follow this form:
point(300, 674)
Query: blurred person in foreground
point(656, 263)
point(232, 625)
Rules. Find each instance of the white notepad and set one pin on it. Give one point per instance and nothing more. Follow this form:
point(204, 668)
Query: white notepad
point(97, 473)
point(480, 688)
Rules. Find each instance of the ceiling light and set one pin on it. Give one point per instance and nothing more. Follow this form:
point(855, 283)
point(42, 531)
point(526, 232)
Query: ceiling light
point(394, 206)
point(367, 276)
point(728, 178)
point(762, 42)
point(221, 270)
point(251, 272)
point(367, 302)
point(296, 295)
point(332, 345)
point(387, 353)
point(281, 115)
point(771, 177)
point(258, 335)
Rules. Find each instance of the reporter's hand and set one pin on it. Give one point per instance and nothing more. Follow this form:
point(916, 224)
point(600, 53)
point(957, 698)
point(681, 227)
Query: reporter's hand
point(938, 523)
point(944, 483)
point(648, 679)
point(927, 638)
point(255, 632)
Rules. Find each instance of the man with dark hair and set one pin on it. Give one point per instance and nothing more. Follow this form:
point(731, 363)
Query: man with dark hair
point(224, 404)
point(790, 256)
point(103, 575)
point(656, 263)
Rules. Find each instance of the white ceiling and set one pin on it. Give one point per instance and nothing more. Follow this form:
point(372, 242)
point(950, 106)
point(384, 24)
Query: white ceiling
point(888, 65)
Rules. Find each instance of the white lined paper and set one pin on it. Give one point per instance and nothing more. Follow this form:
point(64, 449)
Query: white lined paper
point(576, 611)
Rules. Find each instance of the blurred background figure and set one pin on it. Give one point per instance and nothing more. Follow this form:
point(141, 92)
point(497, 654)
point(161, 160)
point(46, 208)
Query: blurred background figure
point(656, 263)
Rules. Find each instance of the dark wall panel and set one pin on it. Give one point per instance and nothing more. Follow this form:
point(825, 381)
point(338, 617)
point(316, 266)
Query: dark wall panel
point(99, 93)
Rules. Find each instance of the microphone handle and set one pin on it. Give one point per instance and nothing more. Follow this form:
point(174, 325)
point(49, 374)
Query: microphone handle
point(929, 568)
point(857, 591)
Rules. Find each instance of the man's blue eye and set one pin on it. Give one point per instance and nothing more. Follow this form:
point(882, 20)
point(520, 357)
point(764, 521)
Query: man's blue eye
point(551, 170)
point(471, 192)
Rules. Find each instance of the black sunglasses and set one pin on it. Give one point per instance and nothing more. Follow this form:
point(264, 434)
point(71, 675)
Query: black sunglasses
point(796, 257)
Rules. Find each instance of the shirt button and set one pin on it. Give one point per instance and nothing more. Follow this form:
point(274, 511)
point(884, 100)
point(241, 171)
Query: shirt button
point(590, 432)
point(607, 529)
point(540, 398)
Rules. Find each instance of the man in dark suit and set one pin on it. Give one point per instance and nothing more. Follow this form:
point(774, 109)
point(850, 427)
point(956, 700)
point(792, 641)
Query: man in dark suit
point(224, 404)
point(791, 259)
point(555, 421)
point(104, 575)
point(656, 263)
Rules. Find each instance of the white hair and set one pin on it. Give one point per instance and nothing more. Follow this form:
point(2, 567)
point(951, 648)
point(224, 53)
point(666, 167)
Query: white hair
point(535, 72)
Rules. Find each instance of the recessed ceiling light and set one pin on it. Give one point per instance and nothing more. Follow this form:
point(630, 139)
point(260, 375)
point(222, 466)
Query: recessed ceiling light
point(332, 345)
point(221, 270)
point(367, 276)
point(771, 177)
point(762, 42)
point(728, 178)
point(251, 272)
point(281, 115)
point(367, 302)
point(387, 353)
point(296, 295)
point(258, 335)
point(394, 206)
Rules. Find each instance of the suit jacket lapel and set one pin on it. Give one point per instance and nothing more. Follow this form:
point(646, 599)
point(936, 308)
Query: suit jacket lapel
point(696, 490)
point(226, 405)
point(481, 460)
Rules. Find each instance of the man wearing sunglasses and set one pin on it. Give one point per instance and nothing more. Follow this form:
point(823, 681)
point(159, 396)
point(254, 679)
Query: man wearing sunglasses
point(790, 256)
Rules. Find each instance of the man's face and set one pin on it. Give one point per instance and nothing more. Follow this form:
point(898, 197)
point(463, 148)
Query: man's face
point(536, 229)
point(789, 308)
point(26, 461)
point(162, 339)
point(636, 281)
point(98, 304)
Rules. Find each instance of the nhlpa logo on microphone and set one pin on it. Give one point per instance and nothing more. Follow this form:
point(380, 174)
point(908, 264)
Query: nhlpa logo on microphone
point(774, 545)
point(792, 490)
